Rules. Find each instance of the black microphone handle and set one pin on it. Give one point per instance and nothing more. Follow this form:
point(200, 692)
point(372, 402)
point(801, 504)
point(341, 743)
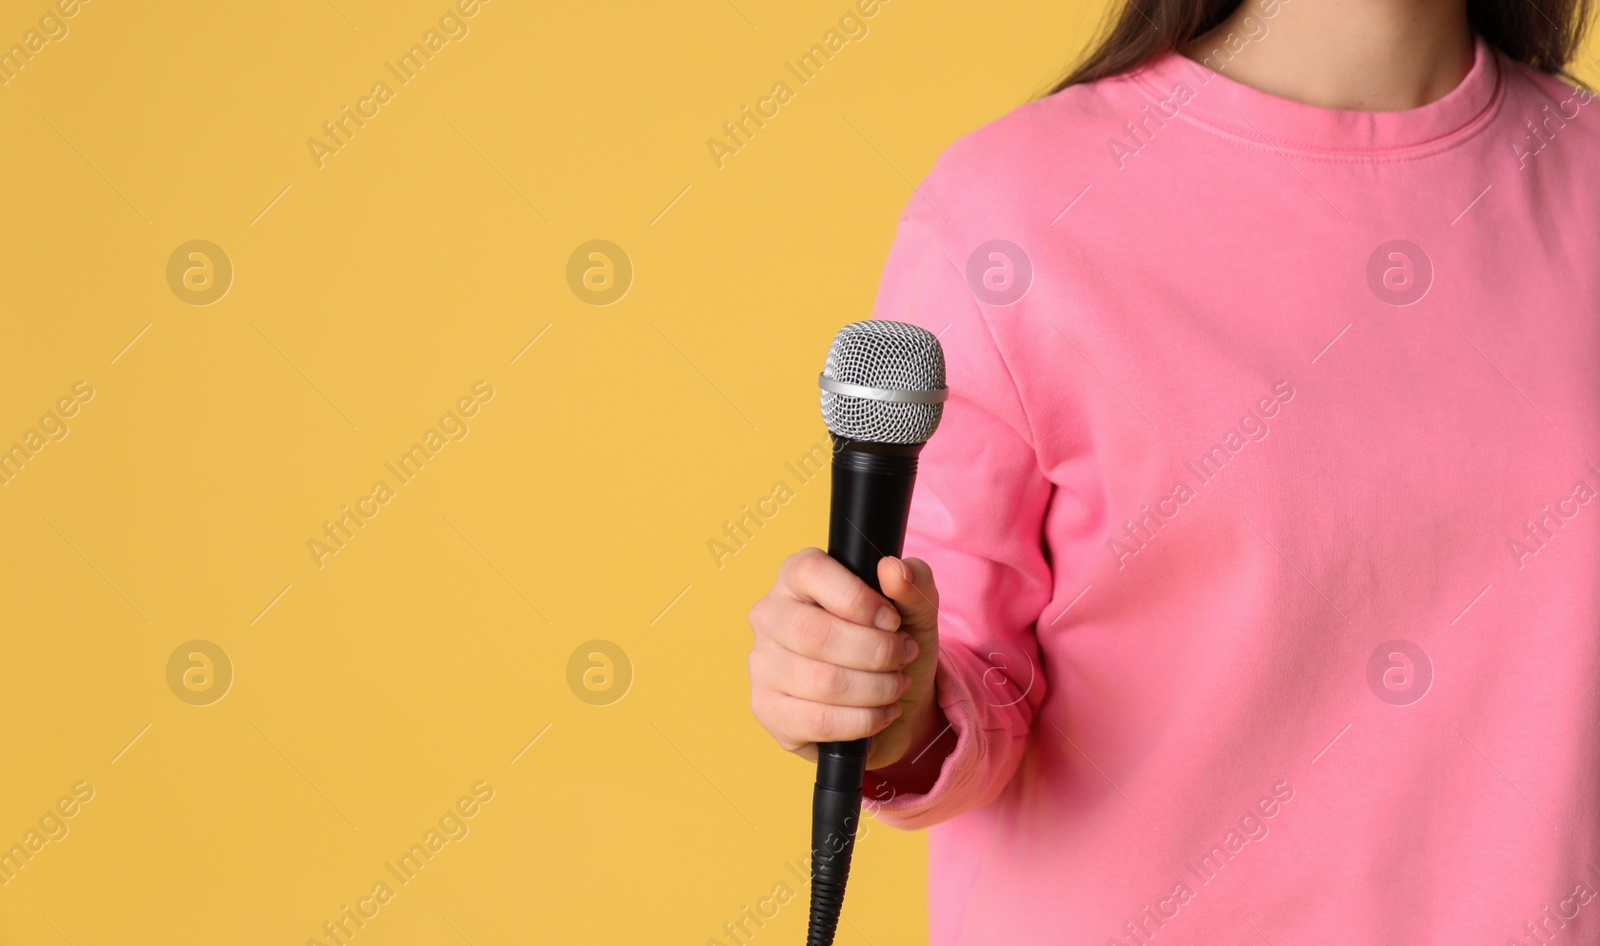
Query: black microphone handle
point(871, 502)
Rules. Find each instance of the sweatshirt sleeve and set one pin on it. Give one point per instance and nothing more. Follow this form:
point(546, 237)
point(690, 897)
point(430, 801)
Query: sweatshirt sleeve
point(977, 518)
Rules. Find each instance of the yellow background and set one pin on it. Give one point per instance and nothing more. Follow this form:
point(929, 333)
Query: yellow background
point(375, 292)
point(370, 693)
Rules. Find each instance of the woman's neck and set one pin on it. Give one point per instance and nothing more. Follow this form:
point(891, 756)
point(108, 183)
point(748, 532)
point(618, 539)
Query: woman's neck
point(1367, 55)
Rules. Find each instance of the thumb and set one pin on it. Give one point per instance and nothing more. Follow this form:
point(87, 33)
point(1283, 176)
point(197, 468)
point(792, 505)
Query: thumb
point(909, 584)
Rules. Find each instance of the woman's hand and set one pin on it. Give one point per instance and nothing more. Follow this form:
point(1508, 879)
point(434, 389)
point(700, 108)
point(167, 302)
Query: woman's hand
point(834, 660)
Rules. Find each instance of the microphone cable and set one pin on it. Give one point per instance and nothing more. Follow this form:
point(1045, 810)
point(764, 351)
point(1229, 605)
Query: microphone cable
point(835, 815)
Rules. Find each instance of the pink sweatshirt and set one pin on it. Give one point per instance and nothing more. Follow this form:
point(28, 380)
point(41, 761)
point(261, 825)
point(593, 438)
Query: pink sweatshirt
point(1263, 514)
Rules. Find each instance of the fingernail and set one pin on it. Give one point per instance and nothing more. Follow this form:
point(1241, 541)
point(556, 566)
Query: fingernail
point(910, 649)
point(887, 620)
point(905, 572)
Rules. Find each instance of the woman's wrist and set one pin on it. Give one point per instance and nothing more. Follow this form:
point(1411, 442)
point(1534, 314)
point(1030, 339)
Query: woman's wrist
point(931, 740)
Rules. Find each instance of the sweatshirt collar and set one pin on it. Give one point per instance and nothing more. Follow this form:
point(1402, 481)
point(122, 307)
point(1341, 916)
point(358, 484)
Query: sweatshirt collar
point(1249, 116)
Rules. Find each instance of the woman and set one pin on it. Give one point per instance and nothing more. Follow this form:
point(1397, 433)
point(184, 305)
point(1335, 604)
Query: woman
point(1262, 510)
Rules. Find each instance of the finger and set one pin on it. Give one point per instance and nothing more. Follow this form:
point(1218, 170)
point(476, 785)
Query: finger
point(795, 722)
point(809, 631)
point(820, 682)
point(765, 706)
point(909, 584)
point(812, 575)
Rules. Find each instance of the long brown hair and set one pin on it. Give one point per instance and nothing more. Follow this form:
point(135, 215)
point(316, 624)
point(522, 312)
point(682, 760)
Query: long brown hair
point(1544, 34)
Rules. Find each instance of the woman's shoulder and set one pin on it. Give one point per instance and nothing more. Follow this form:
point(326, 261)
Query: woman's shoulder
point(1528, 88)
point(1524, 79)
point(1055, 138)
point(1552, 124)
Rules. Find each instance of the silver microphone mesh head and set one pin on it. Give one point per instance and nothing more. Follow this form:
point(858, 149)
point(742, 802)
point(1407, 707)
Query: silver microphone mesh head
point(883, 383)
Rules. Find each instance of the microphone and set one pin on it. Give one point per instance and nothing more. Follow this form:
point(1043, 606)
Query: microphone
point(883, 393)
